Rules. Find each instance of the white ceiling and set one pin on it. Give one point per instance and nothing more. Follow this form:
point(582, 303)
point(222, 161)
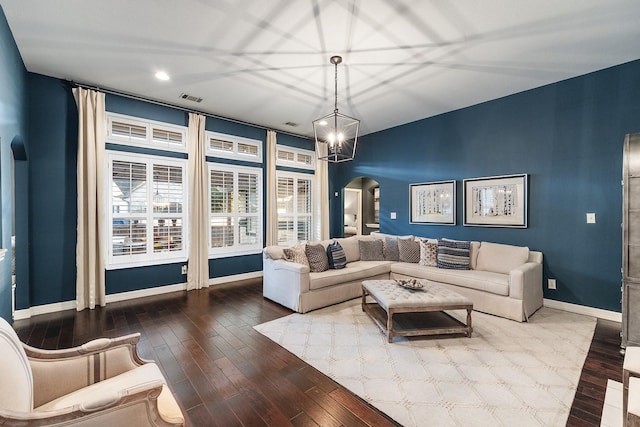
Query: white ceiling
point(267, 61)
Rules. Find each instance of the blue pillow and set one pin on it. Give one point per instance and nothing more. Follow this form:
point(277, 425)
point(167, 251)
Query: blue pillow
point(453, 254)
point(336, 256)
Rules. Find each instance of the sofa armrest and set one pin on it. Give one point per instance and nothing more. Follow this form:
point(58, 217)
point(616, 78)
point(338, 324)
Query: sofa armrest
point(525, 280)
point(284, 282)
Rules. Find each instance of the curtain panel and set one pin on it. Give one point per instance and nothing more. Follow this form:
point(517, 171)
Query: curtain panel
point(198, 265)
point(91, 241)
point(271, 227)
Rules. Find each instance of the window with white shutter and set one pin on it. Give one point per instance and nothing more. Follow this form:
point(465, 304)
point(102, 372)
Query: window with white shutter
point(233, 147)
point(147, 200)
point(295, 157)
point(127, 130)
point(295, 207)
point(235, 210)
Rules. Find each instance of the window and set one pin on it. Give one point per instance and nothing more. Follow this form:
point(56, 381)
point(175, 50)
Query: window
point(235, 209)
point(295, 157)
point(233, 147)
point(295, 219)
point(147, 133)
point(147, 210)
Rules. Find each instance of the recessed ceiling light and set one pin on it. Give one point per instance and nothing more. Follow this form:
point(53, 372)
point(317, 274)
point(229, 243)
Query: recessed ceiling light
point(161, 75)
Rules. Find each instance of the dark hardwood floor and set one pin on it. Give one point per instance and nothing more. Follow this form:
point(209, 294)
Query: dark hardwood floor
point(223, 373)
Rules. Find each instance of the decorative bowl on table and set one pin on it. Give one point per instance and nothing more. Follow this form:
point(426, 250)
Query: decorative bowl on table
point(412, 284)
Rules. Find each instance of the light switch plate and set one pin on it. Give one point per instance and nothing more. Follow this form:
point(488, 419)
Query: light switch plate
point(393, 215)
point(591, 218)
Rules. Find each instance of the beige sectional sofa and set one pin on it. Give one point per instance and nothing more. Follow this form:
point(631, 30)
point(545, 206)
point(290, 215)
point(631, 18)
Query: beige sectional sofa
point(503, 280)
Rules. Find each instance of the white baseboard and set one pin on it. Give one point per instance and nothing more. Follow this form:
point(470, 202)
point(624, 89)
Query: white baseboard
point(123, 296)
point(583, 309)
point(235, 277)
point(43, 309)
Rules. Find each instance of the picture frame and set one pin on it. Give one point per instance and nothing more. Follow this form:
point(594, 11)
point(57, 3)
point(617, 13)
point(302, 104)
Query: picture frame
point(496, 201)
point(433, 203)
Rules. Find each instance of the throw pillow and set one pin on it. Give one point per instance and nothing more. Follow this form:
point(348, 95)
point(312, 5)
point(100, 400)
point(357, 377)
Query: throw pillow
point(296, 254)
point(317, 258)
point(391, 251)
point(409, 251)
point(428, 253)
point(335, 255)
point(453, 254)
point(371, 250)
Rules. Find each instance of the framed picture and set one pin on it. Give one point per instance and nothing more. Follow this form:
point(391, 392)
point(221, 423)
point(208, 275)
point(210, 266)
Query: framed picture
point(497, 201)
point(433, 203)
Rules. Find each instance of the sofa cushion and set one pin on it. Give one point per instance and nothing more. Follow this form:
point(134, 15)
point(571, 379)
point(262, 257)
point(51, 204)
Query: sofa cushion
point(296, 254)
point(317, 257)
point(371, 250)
point(336, 256)
point(274, 252)
point(357, 270)
point(409, 250)
point(486, 281)
point(501, 258)
point(109, 389)
point(453, 254)
point(428, 253)
point(350, 248)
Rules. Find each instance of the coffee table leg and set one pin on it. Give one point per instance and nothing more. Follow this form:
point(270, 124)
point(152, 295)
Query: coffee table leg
point(390, 325)
point(469, 327)
point(364, 297)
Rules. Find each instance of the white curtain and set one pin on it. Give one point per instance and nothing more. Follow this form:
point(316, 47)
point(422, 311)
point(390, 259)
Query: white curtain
point(90, 246)
point(198, 266)
point(322, 195)
point(271, 227)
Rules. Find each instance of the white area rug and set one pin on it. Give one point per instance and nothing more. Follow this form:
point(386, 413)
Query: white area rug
point(507, 373)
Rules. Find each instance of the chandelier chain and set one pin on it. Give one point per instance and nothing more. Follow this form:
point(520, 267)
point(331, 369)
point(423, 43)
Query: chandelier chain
point(336, 88)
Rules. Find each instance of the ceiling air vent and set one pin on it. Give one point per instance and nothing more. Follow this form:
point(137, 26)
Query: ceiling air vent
point(190, 97)
point(292, 124)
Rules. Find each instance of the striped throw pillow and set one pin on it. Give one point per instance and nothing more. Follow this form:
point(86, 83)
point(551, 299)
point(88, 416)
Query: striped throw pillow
point(453, 254)
point(335, 255)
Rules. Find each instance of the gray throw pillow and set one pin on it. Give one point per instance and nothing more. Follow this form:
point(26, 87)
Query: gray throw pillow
point(409, 251)
point(317, 258)
point(391, 251)
point(371, 250)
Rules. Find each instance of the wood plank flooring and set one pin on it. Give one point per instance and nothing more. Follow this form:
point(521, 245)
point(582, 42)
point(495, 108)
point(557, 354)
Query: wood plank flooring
point(223, 373)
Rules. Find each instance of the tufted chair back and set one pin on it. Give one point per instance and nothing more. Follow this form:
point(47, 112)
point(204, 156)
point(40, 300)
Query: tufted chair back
point(16, 388)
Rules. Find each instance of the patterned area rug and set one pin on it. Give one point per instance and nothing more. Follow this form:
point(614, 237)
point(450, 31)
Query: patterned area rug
point(507, 373)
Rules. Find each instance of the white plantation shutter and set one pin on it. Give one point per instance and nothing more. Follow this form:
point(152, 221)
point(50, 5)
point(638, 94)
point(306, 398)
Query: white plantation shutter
point(233, 147)
point(236, 209)
point(129, 130)
point(147, 208)
point(295, 157)
point(294, 197)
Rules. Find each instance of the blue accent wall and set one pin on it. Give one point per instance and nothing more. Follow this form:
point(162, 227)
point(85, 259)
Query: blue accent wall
point(13, 122)
point(567, 136)
point(53, 140)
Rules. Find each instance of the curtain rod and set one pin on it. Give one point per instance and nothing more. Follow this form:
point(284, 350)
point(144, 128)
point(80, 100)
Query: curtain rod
point(177, 107)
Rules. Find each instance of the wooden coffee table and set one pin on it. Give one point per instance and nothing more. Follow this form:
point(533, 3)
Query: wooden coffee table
point(405, 312)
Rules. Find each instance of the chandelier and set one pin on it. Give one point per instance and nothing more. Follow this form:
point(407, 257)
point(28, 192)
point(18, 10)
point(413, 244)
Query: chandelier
point(336, 134)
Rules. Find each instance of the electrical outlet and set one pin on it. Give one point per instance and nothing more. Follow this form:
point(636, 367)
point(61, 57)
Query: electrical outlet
point(184, 269)
point(551, 283)
point(394, 215)
point(591, 218)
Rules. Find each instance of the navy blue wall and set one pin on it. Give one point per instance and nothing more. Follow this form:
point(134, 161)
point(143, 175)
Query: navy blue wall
point(13, 122)
point(53, 130)
point(567, 136)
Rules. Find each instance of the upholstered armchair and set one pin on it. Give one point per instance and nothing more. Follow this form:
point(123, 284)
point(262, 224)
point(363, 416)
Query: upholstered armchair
point(103, 382)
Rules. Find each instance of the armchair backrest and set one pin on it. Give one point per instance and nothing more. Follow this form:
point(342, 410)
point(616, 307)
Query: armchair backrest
point(16, 389)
